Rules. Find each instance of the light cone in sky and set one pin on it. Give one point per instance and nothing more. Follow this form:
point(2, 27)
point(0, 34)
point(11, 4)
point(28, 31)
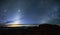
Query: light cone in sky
point(16, 20)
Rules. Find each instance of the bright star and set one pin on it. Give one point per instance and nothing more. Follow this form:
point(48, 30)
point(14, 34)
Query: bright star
point(18, 10)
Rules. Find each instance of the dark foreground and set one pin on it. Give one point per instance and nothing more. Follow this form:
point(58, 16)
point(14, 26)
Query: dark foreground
point(44, 29)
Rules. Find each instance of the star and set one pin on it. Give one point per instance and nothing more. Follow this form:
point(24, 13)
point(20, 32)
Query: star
point(18, 10)
point(5, 10)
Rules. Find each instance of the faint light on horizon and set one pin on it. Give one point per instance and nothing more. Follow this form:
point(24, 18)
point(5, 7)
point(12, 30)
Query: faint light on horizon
point(13, 24)
point(45, 20)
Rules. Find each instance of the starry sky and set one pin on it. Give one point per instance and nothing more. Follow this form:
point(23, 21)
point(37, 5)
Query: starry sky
point(30, 11)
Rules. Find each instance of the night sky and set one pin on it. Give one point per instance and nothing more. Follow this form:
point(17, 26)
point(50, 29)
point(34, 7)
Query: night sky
point(30, 11)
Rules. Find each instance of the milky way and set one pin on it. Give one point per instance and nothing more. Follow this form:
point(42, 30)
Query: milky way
point(30, 11)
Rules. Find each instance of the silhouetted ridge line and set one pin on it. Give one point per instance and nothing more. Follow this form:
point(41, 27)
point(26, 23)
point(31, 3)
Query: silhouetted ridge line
point(42, 29)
